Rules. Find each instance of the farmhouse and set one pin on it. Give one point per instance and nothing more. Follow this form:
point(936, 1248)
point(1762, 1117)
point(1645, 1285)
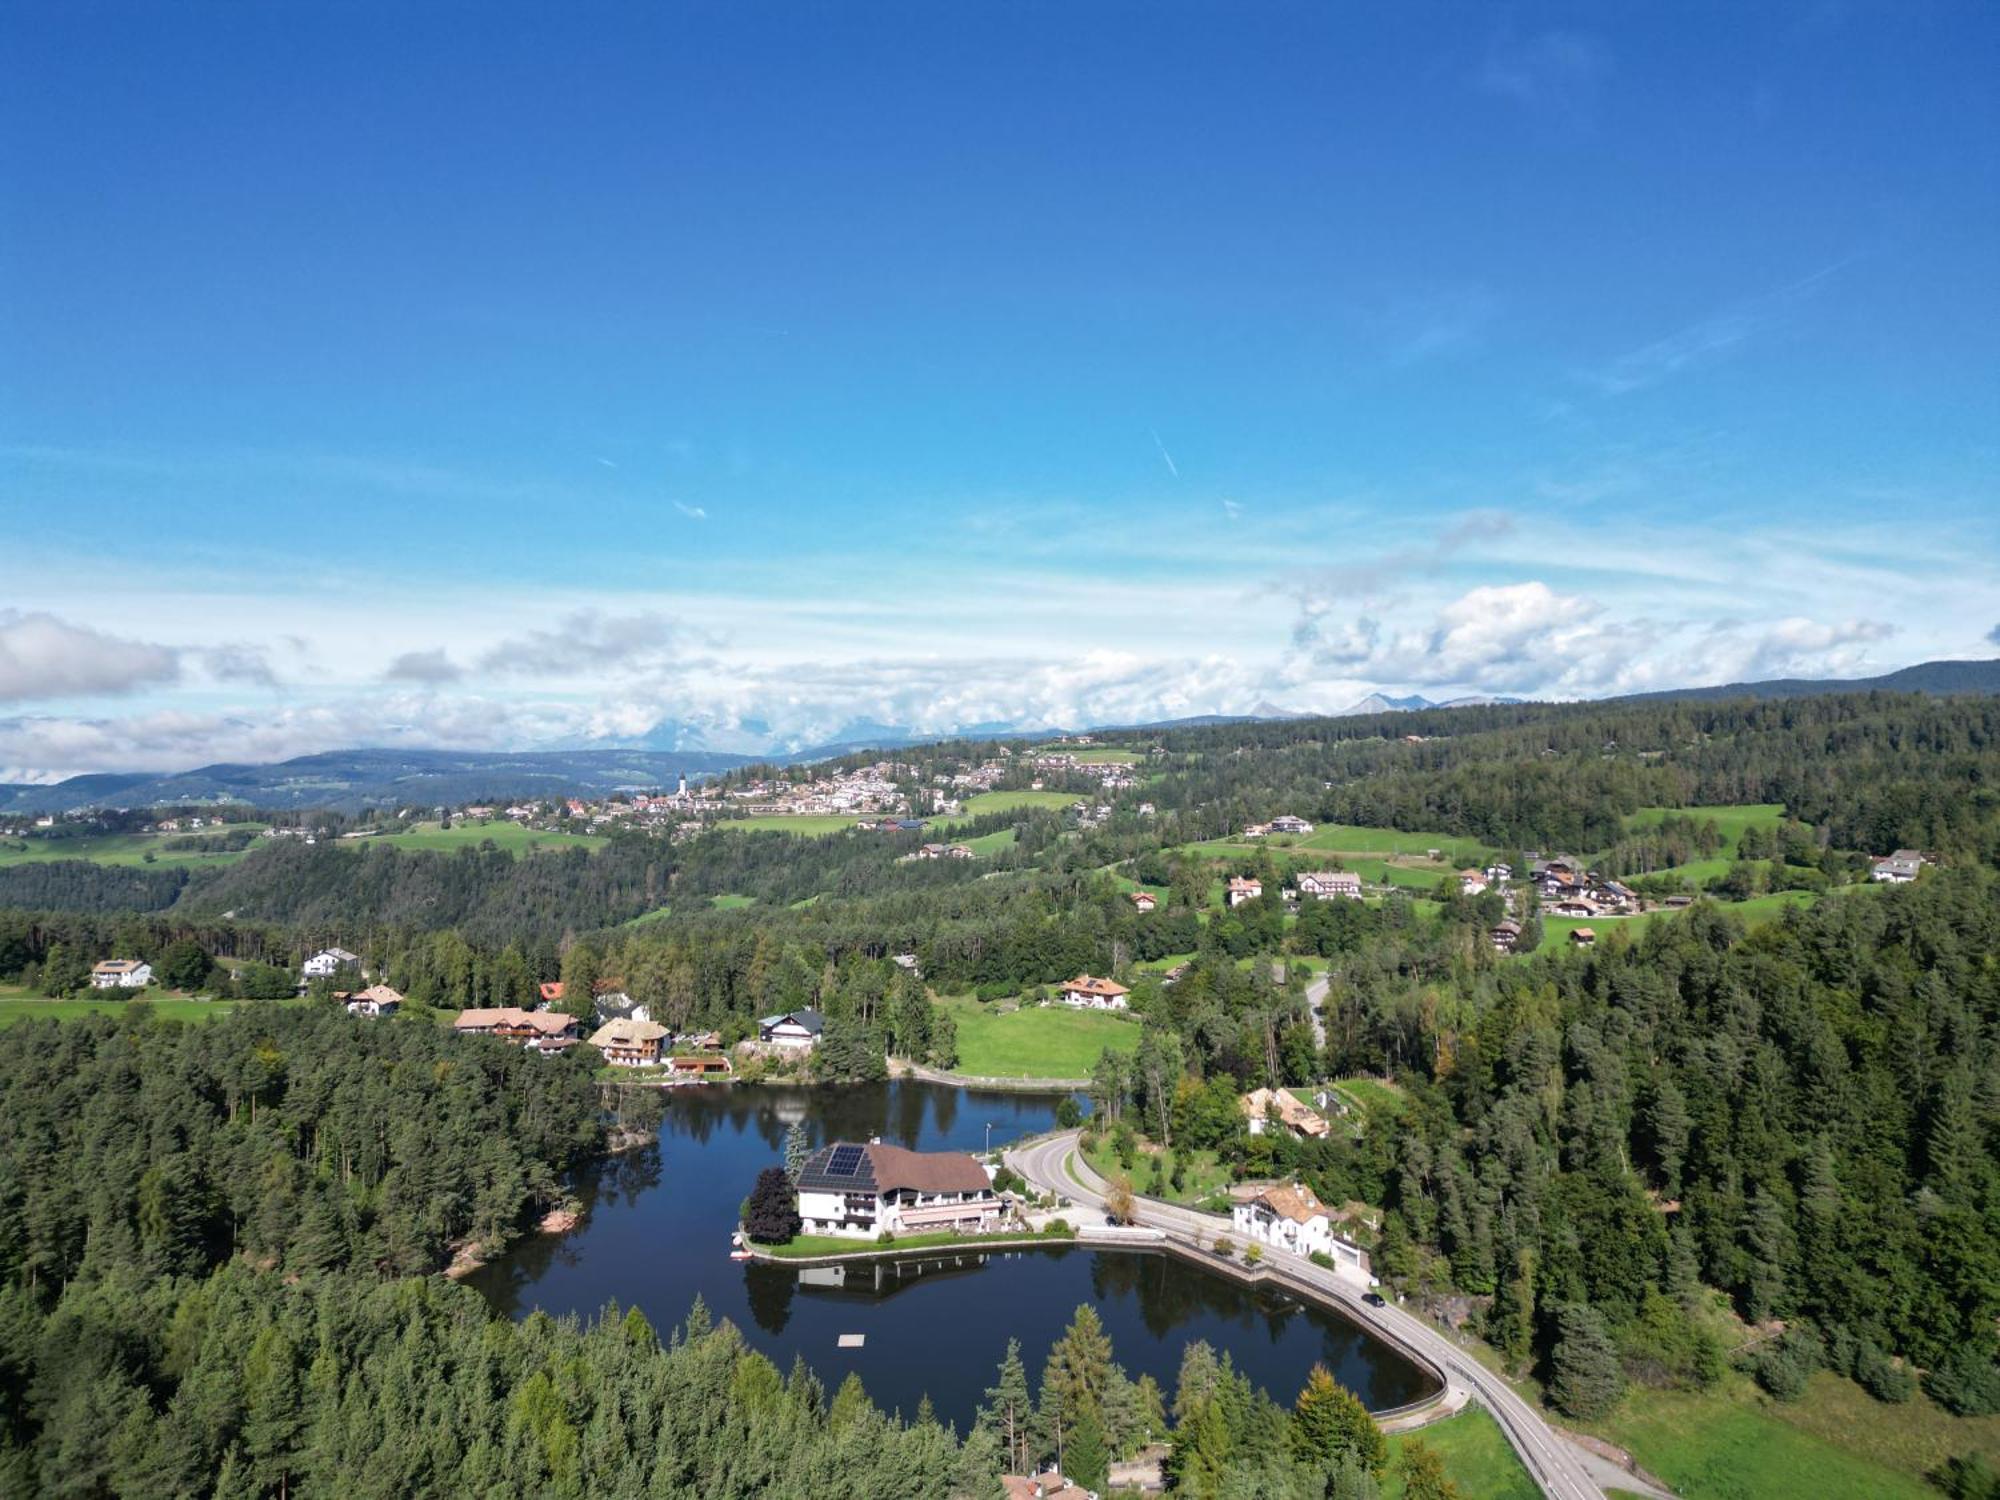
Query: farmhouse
point(629, 1043)
point(863, 1191)
point(1144, 901)
point(327, 963)
point(1243, 888)
point(376, 1000)
point(799, 1028)
point(1506, 936)
point(1328, 885)
point(1262, 1107)
point(1582, 937)
point(1290, 1217)
point(536, 1030)
point(1471, 882)
point(1899, 868)
point(1087, 993)
point(121, 974)
point(1286, 823)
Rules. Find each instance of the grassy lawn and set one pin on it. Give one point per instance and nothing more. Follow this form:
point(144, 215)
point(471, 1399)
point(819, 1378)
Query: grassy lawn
point(1758, 909)
point(1037, 1042)
point(1371, 1096)
point(1730, 820)
point(1202, 1172)
point(507, 835)
point(1833, 1445)
point(993, 843)
point(1476, 1456)
point(1346, 838)
point(830, 1244)
point(730, 901)
point(657, 914)
point(809, 825)
point(1094, 755)
point(15, 1007)
point(117, 849)
point(993, 802)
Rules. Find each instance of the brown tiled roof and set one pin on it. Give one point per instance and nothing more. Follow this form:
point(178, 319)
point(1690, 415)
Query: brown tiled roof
point(1295, 1202)
point(1089, 986)
point(554, 1023)
point(1262, 1104)
point(926, 1171)
point(629, 1033)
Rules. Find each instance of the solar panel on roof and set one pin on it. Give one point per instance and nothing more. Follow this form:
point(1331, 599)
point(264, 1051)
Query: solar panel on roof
point(845, 1161)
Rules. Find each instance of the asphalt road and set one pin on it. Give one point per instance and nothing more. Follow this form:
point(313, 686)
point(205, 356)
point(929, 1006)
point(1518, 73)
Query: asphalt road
point(1560, 1468)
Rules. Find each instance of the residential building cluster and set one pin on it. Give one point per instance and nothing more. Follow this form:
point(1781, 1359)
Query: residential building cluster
point(1569, 889)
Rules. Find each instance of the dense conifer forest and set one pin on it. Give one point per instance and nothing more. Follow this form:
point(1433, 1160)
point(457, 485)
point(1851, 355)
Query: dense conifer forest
point(1594, 1160)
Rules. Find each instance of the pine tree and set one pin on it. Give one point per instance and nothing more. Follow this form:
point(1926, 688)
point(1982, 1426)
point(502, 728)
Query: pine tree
point(1329, 1420)
point(1087, 1463)
point(1009, 1411)
point(1585, 1381)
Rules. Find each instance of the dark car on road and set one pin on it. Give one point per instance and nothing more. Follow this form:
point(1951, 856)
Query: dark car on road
point(1374, 1299)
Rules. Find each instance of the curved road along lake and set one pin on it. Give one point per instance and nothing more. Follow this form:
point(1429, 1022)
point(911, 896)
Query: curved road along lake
point(656, 1235)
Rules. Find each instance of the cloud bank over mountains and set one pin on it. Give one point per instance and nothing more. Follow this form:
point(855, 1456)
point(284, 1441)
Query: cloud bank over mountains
point(602, 675)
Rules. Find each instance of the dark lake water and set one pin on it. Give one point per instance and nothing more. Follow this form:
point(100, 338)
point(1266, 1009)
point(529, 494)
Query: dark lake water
point(657, 1234)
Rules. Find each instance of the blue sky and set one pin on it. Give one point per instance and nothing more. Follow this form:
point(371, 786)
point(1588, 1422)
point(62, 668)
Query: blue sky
point(530, 375)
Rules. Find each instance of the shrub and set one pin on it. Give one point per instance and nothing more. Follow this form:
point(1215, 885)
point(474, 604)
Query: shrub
point(1784, 1368)
point(1967, 1384)
point(1058, 1227)
point(1068, 1114)
point(1881, 1376)
point(1321, 1259)
point(1224, 1246)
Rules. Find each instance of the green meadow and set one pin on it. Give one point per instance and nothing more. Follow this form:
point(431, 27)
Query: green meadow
point(1835, 1443)
point(15, 1007)
point(1476, 1454)
point(806, 825)
point(982, 803)
point(504, 834)
point(1731, 819)
point(1035, 1041)
point(1756, 911)
point(121, 849)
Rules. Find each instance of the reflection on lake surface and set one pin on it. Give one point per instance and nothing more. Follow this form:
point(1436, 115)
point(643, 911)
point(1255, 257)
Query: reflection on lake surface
point(657, 1235)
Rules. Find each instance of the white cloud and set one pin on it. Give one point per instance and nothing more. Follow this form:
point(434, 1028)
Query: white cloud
point(42, 656)
point(591, 640)
point(1528, 638)
point(423, 666)
point(692, 512)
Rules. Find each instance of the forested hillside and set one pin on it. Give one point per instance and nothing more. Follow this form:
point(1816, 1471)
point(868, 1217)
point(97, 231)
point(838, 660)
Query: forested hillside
point(1752, 1119)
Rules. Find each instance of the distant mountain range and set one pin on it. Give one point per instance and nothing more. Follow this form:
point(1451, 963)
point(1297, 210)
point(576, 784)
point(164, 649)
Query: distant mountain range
point(354, 779)
point(1941, 679)
point(350, 780)
point(1382, 703)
